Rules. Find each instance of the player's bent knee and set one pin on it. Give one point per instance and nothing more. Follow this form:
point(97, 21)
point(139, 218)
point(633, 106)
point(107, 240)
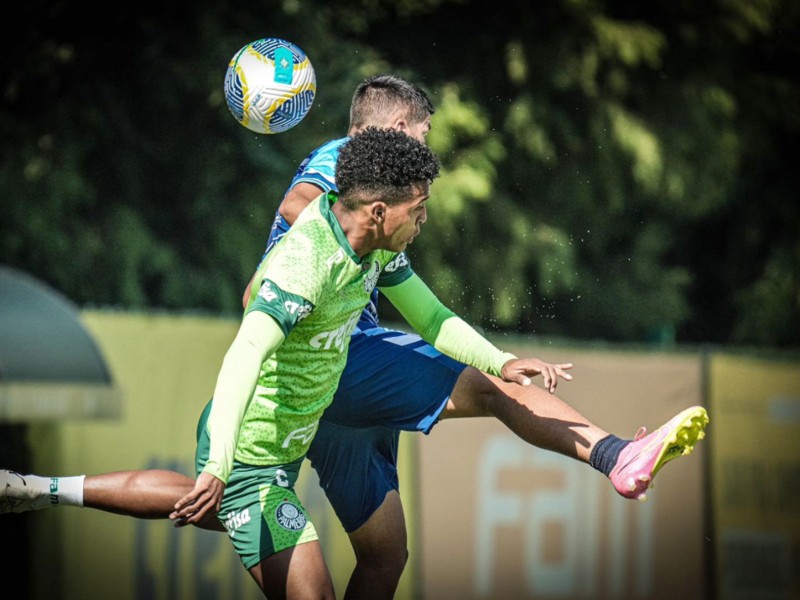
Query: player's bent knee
point(475, 394)
point(381, 543)
point(380, 552)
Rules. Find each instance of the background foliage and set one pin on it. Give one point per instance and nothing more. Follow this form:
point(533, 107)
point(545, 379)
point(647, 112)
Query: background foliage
point(613, 170)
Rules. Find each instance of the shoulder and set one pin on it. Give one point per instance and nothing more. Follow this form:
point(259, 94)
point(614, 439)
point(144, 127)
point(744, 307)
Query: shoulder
point(319, 167)
point(327, 151)
point(311, 233)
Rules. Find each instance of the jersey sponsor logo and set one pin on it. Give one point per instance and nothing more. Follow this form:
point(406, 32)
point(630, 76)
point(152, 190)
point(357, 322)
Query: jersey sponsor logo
point(336, 338)
point(266, 292)
point(289, 516)
point(304, 435)
point(372, 277)
point(295, 308)
point(398, 262)
point(300, 310)
point(234, 520)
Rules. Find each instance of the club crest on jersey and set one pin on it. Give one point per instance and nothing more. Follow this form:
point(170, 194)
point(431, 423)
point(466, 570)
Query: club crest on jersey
point(371, 280)
point(398, 262)
point(289, 516)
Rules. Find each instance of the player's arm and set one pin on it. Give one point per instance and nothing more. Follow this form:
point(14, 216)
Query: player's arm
point(449, 334)
point(293, 203)
point(259, 336)
point(296, 199)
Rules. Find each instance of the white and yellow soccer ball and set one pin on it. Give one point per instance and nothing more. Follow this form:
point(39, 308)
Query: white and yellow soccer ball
point(270, 85)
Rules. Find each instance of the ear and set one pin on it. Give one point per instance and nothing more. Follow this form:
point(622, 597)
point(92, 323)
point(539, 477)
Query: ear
point(378, 211)
point(401, 125)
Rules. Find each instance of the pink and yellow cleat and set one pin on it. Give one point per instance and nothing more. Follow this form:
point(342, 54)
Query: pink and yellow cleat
point(639, 462)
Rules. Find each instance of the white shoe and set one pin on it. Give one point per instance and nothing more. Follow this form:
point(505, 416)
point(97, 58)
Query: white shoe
point(17, 495)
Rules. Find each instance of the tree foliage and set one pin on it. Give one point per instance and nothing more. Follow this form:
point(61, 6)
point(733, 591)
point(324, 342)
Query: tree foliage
point(612, 170)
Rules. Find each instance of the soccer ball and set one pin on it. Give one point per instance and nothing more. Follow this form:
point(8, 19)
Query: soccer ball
point(270, 85)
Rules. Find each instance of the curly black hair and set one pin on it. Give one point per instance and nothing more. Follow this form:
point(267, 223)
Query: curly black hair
point(382, 164)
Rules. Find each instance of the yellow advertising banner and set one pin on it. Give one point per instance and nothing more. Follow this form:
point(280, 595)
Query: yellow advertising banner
point(489, 516)
point(755, 477)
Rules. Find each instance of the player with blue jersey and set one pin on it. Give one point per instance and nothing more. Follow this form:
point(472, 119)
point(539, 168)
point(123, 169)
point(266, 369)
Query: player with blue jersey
point(356, 447)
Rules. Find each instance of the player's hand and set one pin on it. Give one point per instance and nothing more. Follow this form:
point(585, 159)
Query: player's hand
point(205, 500)
point(520, 370)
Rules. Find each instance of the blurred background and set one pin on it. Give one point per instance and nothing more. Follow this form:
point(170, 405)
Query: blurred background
point(614, 170)
point(618, 180)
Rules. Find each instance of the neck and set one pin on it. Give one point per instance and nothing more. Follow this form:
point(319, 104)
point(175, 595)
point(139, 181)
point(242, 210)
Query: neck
point(357, 228)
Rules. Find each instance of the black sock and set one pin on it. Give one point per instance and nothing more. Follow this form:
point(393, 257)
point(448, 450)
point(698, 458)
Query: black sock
point(606, 452)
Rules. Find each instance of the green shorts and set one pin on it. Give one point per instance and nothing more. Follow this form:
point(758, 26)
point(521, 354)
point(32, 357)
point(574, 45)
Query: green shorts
point(260, 509)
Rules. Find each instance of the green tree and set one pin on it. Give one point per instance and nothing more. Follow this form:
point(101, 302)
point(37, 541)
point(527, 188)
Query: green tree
point(612, 170)
point(627, 133)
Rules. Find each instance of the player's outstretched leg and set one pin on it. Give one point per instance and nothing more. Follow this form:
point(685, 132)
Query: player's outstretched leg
point(544, 420)
point(144, 494)
point(642, 458)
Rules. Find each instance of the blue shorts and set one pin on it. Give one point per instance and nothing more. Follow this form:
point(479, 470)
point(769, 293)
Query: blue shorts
point(392, 381)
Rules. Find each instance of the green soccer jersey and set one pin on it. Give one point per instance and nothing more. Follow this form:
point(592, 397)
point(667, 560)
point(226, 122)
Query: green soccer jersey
point(315, 286)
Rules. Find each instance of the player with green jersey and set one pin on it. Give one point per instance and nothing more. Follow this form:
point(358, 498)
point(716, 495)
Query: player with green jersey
point(283, 367)
point(316, 279)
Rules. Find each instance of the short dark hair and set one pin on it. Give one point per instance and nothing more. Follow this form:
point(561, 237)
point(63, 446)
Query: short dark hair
point(382, 164)
point(377, 97)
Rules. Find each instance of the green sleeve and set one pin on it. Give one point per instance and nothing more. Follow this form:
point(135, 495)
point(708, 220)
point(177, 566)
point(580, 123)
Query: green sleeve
point(259, 336)
point(286, 308)
point(442, 328)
